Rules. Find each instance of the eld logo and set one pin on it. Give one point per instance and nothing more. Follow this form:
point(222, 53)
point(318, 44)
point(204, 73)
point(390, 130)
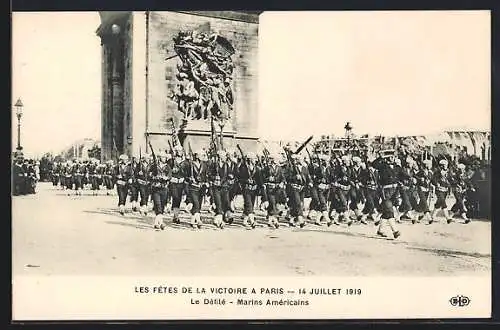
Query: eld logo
point(459, 301)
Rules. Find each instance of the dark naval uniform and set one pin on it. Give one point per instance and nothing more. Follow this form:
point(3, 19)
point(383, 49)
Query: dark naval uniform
point(319, 177)
point(274, 182)
point(297, 180)
point(249, 176)
point(369, 181)
point(133, 186)
point(342, 188)
point(143, 181)
point(196, 176)
point(460, 184)
point(18, 175)
point(122, 172)
point(177, 180)
point(388, 180)
point(159, 175)
point(219, 185)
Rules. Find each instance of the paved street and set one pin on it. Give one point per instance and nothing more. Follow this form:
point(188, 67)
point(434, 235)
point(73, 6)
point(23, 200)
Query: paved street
point(56, 234)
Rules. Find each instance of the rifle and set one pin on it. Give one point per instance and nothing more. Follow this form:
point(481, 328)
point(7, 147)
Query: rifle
point(190, 151)
point(303, 145)
point(170, 147)
point(243, 158)
point(265, 153)
point(175, 137)
point(213, 140)
point(308, 154)
point(155, 160)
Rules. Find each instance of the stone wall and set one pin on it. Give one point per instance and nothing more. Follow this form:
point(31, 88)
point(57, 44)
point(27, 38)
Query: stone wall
point(162, 27)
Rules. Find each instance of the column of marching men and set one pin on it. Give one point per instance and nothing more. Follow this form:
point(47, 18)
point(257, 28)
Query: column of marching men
point(343, 189)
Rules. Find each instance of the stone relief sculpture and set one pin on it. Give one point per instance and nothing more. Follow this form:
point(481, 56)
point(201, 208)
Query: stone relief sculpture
point(204, 76)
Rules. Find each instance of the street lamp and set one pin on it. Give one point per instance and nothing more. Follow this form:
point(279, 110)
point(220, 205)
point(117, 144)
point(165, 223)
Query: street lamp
point(19, 113)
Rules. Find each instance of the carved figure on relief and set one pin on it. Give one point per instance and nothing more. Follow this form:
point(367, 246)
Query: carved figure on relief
point(204, 76)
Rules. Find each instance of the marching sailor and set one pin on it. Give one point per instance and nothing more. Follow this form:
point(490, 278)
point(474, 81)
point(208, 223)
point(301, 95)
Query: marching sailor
point(249, 175)
point(159, 174)
point(441, 181)
point(123, 174)
point(196, 177)
point(388, 185)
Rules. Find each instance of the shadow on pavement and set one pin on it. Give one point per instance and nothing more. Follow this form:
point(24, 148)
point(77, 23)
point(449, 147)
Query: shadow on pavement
point(352, 234)
point(451, 253)
point(125, 224)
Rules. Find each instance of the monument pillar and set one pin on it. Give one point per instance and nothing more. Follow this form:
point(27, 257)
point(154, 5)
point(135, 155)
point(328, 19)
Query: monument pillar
point(112, 33)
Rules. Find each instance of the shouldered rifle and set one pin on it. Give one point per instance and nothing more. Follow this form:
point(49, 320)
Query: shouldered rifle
point(190, 151)
point(308, 154)
point(170, 147)
point(154, 169)
point(303, 145)
point(243, 159)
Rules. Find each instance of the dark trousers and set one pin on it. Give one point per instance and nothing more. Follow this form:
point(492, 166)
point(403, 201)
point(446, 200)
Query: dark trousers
point(408, 200)
point(272, 209)
point(423, 196)
point(342, 198)
point(319, 196)
point(232, 191)
point(355, 197)
point(108, 182)
point(78, 180)
point(248, 201)
point(295, 202)
point(388, 196)
point(220, 197)
point(459, 205)
point(176, 190)
point(472, 203)
point(122, 191)
point(159, 196)
point(134, 192)
point(95, 182)
point(195, 199)
point(55, 180)
point(281, 196)
point(144, 192)
point(441, 200)
point(371, 201)
point(68, 181)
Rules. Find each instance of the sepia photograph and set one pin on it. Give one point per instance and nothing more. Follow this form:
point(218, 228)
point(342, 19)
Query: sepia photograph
point(251, 164)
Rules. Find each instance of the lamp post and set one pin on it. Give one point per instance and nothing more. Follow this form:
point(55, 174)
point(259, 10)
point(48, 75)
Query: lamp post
point(348, 129)
point(19, 113)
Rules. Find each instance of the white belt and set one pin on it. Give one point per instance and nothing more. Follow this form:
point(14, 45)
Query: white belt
point(177, 180)
point(323, 186)
point(341, 186)
point(120, 182)
point(251, 187)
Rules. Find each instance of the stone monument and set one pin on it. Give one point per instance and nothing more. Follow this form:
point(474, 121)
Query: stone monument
point(182, 73)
